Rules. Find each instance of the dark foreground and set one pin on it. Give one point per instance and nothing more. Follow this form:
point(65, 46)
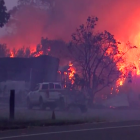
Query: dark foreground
point(102, 131)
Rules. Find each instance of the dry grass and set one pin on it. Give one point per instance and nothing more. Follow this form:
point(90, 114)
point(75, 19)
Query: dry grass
point(27, 118)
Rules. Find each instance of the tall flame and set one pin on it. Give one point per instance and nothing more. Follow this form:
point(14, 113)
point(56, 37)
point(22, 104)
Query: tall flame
point(131, 63)
point(72, 71)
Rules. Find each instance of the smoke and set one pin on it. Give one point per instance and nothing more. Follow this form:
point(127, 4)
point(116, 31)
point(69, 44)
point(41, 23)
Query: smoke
point(118, 17)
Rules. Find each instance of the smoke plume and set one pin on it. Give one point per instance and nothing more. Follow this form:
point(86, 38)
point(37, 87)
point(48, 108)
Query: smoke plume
point(121, 18)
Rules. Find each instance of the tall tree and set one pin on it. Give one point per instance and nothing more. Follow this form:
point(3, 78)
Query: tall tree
point(4, 51)
point(96, 55)
point(4, 15)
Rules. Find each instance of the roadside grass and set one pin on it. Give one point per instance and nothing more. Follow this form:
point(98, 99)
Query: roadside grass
point(6, 124)
point(36, 118)
point(32, 115)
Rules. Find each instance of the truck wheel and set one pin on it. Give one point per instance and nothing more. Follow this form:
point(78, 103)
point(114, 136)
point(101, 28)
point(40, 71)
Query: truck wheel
point(41, 104)
point(29, 104)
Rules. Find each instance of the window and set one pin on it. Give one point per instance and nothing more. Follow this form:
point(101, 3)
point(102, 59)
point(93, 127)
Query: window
point(57, 86)
point(45, 86)
point(51, 86)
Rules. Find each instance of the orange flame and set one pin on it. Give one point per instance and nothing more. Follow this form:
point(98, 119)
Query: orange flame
point(11, 54)
point(33, 52)
point(126, 66)
point(72, 71)
point(65, 73)
point(38, 54)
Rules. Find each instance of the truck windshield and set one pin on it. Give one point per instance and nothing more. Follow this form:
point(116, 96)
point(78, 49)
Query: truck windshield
point(45, 86)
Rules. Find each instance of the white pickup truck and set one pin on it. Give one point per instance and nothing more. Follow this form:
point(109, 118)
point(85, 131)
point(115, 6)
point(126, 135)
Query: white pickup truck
point(47, 94)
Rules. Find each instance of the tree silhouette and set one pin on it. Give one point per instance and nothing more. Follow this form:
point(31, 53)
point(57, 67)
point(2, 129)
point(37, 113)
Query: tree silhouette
point(96, 56)
point(4, 15)
point(4, 51)
point(23, 52)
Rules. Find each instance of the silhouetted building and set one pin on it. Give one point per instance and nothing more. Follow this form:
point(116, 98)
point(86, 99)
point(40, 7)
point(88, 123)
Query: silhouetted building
point(34, 69)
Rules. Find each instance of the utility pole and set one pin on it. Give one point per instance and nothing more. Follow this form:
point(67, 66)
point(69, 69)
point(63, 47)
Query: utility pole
point(12, 105)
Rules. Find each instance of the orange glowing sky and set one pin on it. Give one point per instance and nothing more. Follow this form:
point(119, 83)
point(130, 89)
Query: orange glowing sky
point(121, 18)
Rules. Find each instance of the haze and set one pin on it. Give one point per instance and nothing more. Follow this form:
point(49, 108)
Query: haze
point(121, 18)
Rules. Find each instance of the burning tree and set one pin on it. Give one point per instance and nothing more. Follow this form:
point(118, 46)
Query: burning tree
point(21, 52)
point(96, 56)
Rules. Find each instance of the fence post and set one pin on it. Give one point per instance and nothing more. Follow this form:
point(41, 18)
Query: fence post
point(12, 105)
